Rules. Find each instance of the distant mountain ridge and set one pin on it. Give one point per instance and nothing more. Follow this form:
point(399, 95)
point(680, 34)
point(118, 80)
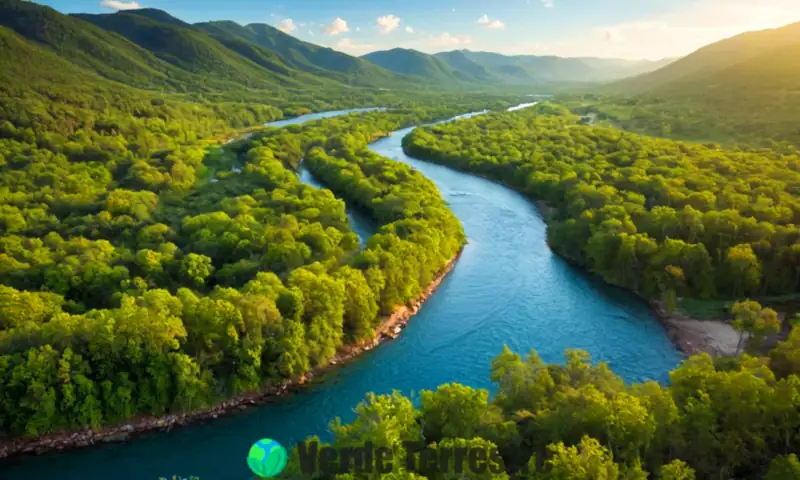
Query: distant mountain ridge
point(714, 58)
point(151, 49)
point(741, 89)
point(486, 67)
point(298, 54)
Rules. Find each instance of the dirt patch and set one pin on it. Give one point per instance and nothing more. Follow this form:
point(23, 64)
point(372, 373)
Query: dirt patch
point(691, 336)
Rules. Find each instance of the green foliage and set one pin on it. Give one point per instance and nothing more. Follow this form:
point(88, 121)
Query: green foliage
point(146, 270)
point(784, 468)
point(579, 421)
point(586, 461)
point(758, 322)
point(651, 215)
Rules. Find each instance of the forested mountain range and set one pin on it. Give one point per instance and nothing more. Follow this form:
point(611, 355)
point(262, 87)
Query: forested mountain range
point(745, 89)
point(148, 48)
point(487, 67)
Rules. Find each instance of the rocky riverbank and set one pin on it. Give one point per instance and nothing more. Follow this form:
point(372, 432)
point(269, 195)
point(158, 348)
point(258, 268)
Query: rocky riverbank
point(691, 336)
point(390, 327)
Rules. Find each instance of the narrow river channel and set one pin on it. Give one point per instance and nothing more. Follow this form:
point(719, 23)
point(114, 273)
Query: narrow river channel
point(508, 288)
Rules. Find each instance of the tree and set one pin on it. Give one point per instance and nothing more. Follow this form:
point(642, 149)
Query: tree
point(196, 268)
point(785, 357)
point(744, 268)
point(784, 468)
point(676, 470)
point(454, 410)
point(758, 322)
point(586, 461)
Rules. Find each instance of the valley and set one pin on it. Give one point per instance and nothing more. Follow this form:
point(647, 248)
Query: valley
point(238, 229)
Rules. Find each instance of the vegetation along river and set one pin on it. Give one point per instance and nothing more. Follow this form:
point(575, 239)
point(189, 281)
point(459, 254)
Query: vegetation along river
point(507, 288)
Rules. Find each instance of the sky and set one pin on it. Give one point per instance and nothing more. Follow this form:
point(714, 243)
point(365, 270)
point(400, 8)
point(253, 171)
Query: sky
point(631, 29)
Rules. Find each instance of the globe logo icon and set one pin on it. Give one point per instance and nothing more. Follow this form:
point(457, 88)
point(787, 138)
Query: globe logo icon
point(267, 458)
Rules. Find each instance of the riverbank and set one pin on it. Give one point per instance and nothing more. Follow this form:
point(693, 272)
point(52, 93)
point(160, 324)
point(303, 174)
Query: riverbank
point(689, 335)
point(390, 327)
point(692, 336)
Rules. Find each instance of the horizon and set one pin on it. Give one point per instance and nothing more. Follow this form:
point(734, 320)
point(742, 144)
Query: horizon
point(609, 29)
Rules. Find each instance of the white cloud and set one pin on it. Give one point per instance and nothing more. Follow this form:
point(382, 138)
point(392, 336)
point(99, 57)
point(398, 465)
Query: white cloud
point(349, 46)
point(310, 32)
point(287, 25)
point(336, 27)
point(409, 29)
point(489, 23)
point(672, 33)
point(387, 23)
point(548, 3)
point(447, 40)
point(358, 29)
point(120, 5)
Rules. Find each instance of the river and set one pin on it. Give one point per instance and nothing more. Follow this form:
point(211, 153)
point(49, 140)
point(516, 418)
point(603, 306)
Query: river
point(507, 288)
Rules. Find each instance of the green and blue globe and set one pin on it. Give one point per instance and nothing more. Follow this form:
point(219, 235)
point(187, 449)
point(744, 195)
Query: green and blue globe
point(267, 458)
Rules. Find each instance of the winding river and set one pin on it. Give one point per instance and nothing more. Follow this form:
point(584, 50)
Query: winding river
point(507, 288)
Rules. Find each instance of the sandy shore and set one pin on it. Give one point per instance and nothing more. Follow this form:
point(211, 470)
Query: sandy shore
point(389, 328)
point(715, 337)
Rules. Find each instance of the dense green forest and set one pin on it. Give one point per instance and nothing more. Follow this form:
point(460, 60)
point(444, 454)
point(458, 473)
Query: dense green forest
point(163, 294)
point(146, 269)
point(140, 274)
point(656, 216)
point(577, 421)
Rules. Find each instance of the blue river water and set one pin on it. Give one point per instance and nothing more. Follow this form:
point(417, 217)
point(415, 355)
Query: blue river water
point(508, 288)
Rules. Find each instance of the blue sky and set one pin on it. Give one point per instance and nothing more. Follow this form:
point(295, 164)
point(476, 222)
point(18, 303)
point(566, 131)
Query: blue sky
point(632, 29)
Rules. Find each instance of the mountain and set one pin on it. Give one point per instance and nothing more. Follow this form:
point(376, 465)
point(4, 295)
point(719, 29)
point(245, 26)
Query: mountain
point(460, 62)
point(608, 69)
point(412, 62)
point(193, 50)
point(148, 48)
point(494, 68)
point(302, 55)
point(714, 58)
point(744, 89)
point(87, 45)
point(559, 69)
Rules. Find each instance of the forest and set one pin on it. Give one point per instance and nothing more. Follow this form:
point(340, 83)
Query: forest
point(145, 267)
point(662, 218)
point(148, 267)
point(734, 418)
point(141, 274)
point(142, 286)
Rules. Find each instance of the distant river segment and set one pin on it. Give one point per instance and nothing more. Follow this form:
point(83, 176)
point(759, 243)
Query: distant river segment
point(507, 288)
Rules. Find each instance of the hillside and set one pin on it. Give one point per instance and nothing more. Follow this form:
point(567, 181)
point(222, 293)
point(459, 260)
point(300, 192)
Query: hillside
point(745, 89)
point(459, 62)
point(302, 55)
point(412, 62)
point(150, 49)
point(193, 50)
point(88, 46)
point(713, 58)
